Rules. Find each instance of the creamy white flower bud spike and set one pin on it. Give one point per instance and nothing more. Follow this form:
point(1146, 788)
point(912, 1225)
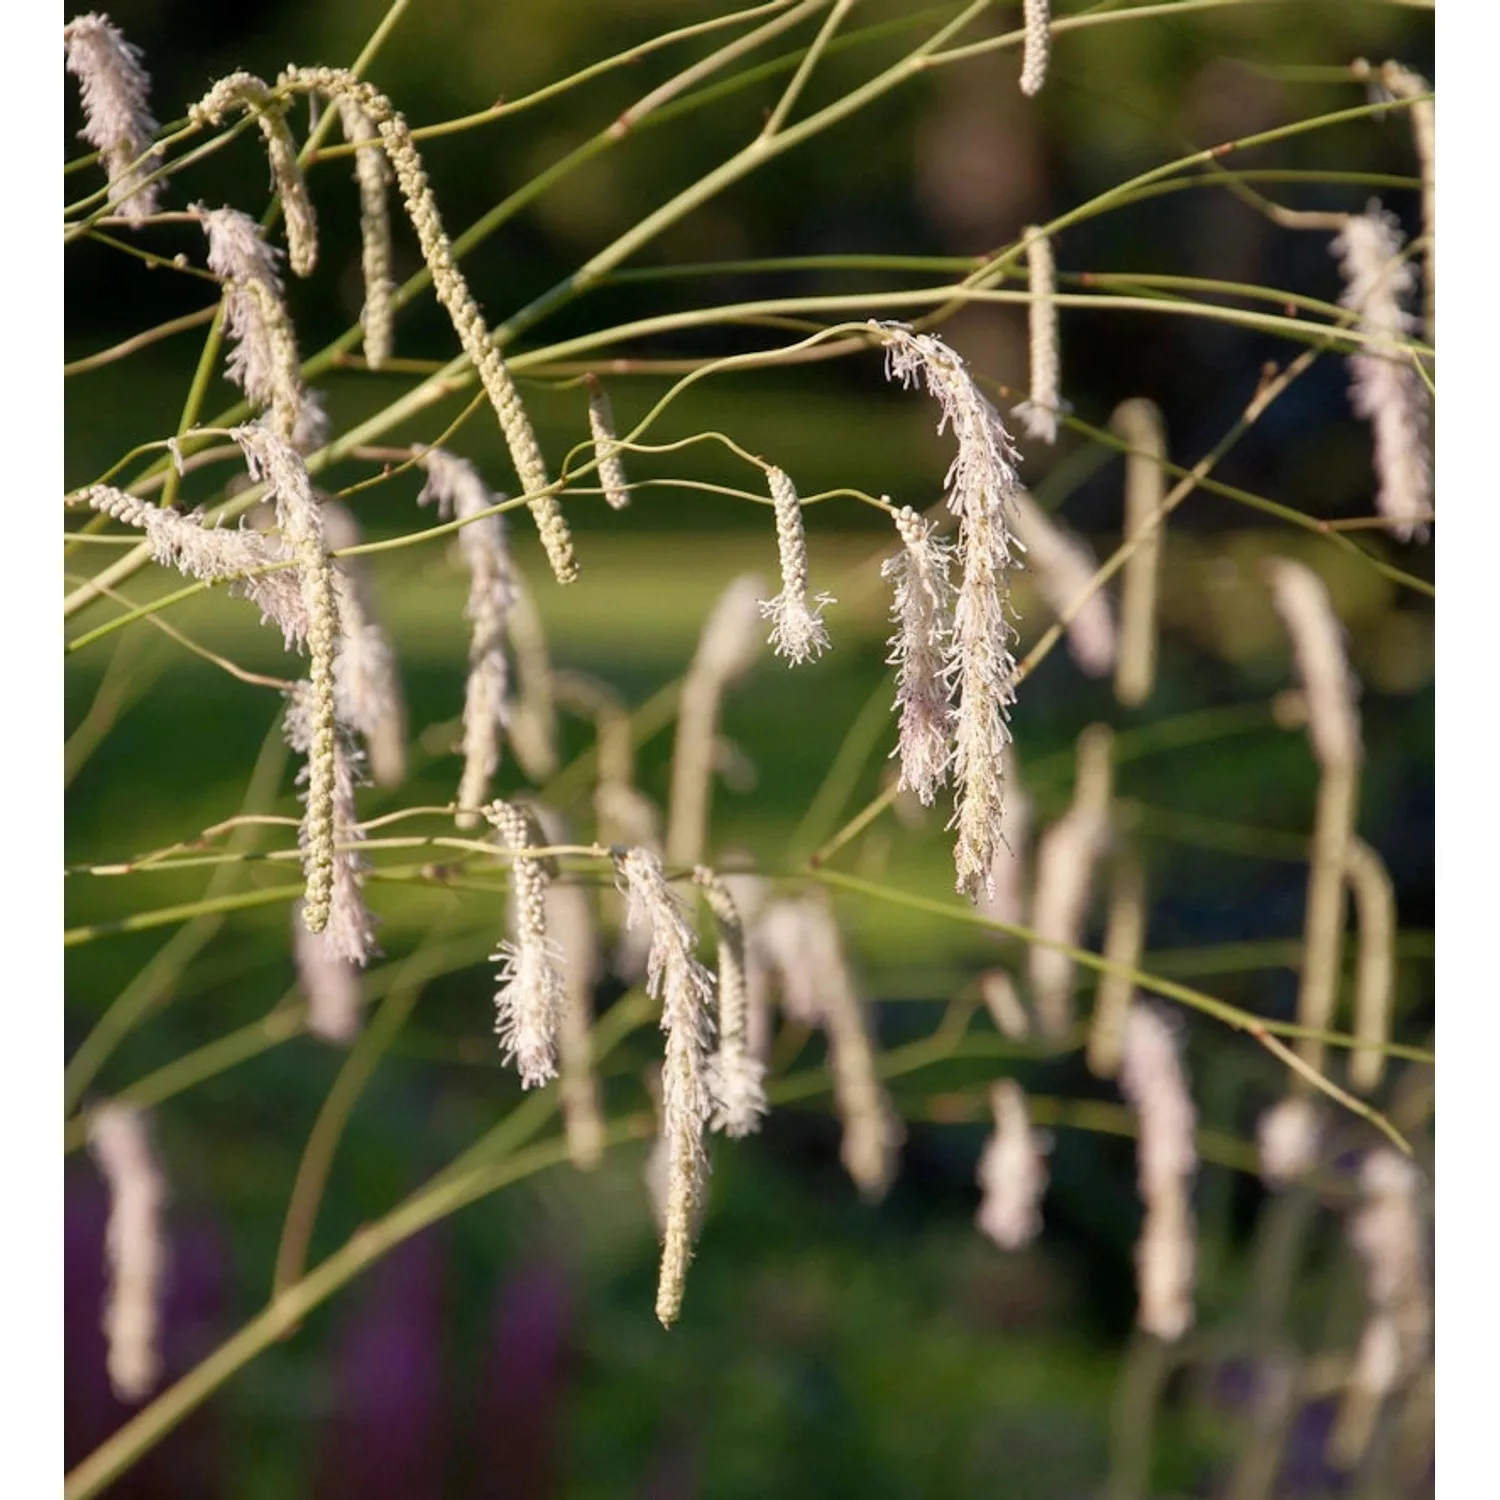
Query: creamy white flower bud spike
point(1330, 691)
point(1155, 1086)
point(1039, 414)
point(1067, 860)
point(726, 650)
point(606, 446)
point(134, 1247)
point(1037, 18)
point(457, 300)
point(686, 991)
point(455, 487)
point(372, 174)
point(1012, 1171)
point(246, 91)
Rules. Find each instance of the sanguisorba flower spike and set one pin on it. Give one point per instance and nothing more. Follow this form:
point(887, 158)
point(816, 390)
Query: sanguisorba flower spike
point(457, 300)
point(1385, 389)
point(529, 1002)
point(246, 91)
point(272, 459)
point(372, 174)
point(1039, 414)
point(606, 446)
point(686, 991)
point(1037, 15)
point(981, 487)
point(736, 1076)
point(797, 629)
point(117, 120)
point(922, 611)
point(263, 358)
point(134, 1248)
point(454, 485)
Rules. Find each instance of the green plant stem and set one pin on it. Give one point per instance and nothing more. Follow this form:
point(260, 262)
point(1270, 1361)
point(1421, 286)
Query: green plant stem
point(146, 991)
point(164, 916)
point(436, 1201)
point(285, 1021)
point(1265, 1032)
point(327, 1131)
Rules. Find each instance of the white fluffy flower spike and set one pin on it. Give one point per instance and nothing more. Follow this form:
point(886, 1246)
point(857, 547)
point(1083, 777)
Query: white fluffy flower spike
point(529, 1002)
point(686, 991)
point(1385, 388)
point(117, 120)
point(923, 614)
point(797, 629)
point(981, 488)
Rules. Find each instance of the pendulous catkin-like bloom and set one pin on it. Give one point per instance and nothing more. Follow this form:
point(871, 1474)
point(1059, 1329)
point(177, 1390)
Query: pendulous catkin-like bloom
point(529, 1002)
point(1153, 1082)
point(981, 488)
point(1039, 414)
point(1068, 855)
point(458, 491)
point(1333, 729)
point(797, 629)
point(798, 940)
point(330, 985)
point(1139, 423)
point(1003, 1001)
point(1405, 84)
point(1384, 387)
point(1064, 568)
point(263, 360)
point(300, 520)
point(686, 991)
point(726, 650)
point(1012, 1171)
point(369, 694)
point(246, 91)
point(736, 1078)
point(457, 300)
point(1037, 16)
point(372, 174)
point(532, 726)
point(572, 929)
point(348, 936)
point(1124, 938)
point(134, 1247)
point(1329, 687)
point(1288, 1137)
point(922, 611)
point(117, 119)
point(1375, 963)
point(606, 446)
point(1387, 1231)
